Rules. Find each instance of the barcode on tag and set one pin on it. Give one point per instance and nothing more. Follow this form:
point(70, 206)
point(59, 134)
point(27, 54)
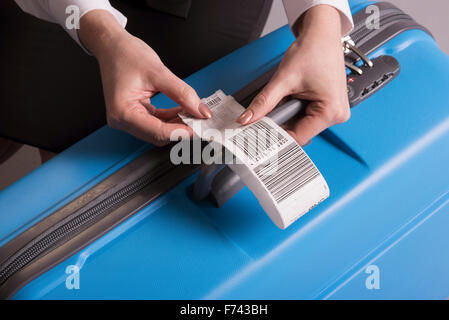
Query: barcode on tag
point(258, 140)
point(213, 102)
point(290, 172)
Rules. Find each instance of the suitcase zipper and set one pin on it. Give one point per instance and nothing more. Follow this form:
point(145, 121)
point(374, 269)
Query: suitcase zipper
point(349, 46)
point(361, 31)
point(47, 240)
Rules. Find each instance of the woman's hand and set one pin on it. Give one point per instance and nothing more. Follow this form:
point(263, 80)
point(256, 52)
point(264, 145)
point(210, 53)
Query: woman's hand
point(313, 70)
point(132, 73)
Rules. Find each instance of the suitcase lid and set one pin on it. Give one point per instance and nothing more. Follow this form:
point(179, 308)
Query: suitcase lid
point(175, 248)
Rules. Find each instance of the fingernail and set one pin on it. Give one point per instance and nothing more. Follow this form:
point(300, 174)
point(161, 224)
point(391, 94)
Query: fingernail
point(151, 109)
point(245, 117)
point(205, 111)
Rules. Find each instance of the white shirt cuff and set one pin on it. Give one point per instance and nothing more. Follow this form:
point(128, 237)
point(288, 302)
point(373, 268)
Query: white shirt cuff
point(58, 8)
point(296, 8)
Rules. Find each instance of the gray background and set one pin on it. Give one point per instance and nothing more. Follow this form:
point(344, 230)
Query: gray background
point(431, 13)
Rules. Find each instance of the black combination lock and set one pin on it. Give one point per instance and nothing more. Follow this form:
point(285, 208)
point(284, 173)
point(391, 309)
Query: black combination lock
point(371, 79)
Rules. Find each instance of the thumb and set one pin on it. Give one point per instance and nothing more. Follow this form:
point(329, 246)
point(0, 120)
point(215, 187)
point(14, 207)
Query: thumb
point(183, 94)
point(264, 102)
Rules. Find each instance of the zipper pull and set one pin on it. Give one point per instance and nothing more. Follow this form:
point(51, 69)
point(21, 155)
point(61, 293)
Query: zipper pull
point(354, 68)
point(349, 46)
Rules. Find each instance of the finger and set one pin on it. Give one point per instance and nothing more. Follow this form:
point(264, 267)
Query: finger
point(147, 104)
point(167, 114)
point(183, 94)
point(293, 134)
point(141, 124)
point(264, 102)
point(163, 114)
point(318, 117)
point(176, 120)
point(307, 128)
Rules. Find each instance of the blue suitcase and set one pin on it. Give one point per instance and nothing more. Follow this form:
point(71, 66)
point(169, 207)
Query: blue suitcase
point(108, 219)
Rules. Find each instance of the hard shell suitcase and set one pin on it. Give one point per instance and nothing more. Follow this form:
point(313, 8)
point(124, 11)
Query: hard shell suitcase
point(112, 207)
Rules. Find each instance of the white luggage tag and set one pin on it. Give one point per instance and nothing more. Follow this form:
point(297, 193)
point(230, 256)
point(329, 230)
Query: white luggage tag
point(268, 160)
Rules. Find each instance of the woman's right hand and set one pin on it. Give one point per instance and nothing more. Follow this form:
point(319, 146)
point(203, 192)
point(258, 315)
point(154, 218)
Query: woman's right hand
point(132, 73)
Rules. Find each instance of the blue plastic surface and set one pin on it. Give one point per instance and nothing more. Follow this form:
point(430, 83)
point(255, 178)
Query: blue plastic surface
point(390, 209)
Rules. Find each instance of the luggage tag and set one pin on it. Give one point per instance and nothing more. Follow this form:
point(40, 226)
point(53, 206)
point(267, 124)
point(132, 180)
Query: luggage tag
point(268, 160)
